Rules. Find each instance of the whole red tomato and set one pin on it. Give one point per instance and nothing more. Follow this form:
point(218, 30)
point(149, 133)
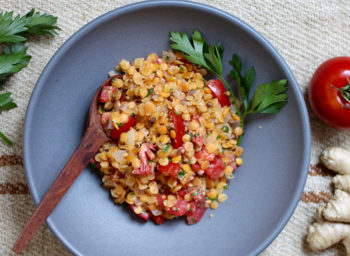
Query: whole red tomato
point(329, 92)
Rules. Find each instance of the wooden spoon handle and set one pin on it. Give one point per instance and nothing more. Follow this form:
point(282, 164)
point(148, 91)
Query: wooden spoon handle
point(89, 145)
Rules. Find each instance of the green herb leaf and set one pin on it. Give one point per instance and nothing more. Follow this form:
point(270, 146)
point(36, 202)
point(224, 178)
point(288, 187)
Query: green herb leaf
point(269, 98)
point(120, 125)
point(218, 137)
point(166, 148)
point(198, 51)
point(12, 60)
point(7, 140)
point(150, 91)
point(244, 83)
point(6, 102)
point(225, 128)
point(12, 28)
point(181, 174)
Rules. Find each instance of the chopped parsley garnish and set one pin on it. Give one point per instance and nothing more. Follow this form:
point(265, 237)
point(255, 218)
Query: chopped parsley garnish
point(166, 148)
point(218, 137)
point(150, 91)
point(133, 115)
point(182, 68)
point(191, 135)
point(197, 134)
point(225, 128)
point(181, 174)
point(176, 113)
point(121, 124)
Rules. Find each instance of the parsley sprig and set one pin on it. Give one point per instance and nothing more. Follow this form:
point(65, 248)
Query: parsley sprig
point(13, 29)
point(13, 56)
point(12, 60)
point(267, 98)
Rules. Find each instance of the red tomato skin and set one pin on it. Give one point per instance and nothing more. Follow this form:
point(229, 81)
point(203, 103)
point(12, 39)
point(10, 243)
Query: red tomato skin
point(215, 169)
point(326, 101)
point(196, 213)
point(204, 155)
point(218, 90)
point(171, 169)
point(180, 207)
point(196, 167)
point(179, 129)
point(145, 153)
point(145, 215)
point(158, 219)
point(115, 134)
point(104, 95)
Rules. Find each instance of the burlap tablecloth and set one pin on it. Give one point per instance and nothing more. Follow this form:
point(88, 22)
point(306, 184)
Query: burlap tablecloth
point(305, 32)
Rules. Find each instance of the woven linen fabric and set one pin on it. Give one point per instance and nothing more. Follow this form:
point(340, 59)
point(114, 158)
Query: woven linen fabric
point(305, 32)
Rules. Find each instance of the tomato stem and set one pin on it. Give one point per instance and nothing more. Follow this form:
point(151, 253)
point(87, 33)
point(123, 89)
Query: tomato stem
point(344, 91)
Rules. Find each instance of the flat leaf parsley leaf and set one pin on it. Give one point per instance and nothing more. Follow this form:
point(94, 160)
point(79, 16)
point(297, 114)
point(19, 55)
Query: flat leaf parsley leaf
point(12, 29)
point(6, 103)
point(13, 53)
point(12, 60)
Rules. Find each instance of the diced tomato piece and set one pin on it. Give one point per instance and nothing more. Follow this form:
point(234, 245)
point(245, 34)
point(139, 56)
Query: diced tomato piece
point(180, 207)
point(196, 167)
point(171, 169)
point(199, 140)
point(158, 219)
point(218, 90)
point(196, 212)
point(105, 95)
point(145, 154)
point(182, 192)
point(179, 128)
point(105, 118)
point(144, 215)
point(215, 169)
point(160, 199)
point(196, 192)
point(115, 134)
point(204, 155)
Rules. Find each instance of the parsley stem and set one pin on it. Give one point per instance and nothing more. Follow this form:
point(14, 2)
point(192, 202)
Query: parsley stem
point(232, 94)
point(7, 140)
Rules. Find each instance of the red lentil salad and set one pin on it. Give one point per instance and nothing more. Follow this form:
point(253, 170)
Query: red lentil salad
point(174, 141)
point(174, 135)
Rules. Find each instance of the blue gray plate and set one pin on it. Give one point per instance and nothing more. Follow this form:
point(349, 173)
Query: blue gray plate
point(261, 198)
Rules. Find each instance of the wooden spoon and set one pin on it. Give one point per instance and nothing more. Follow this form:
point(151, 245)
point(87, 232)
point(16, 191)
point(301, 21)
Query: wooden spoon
point(92, 140)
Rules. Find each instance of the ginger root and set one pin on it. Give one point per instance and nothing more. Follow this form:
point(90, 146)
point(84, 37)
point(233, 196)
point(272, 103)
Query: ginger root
point(325, 232)
point(338, 209)
point(336, 159)
point(342, 182)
